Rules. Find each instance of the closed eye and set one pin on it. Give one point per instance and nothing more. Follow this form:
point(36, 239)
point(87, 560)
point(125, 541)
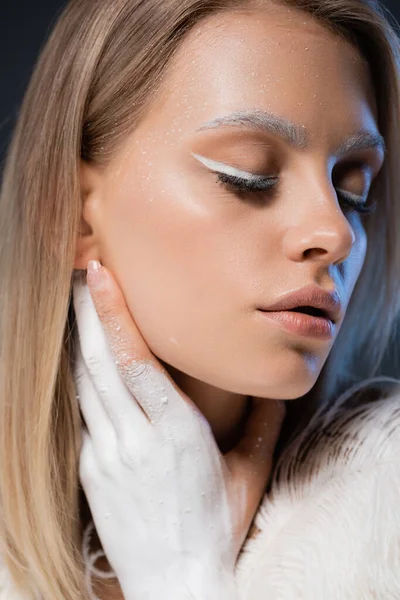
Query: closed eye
point(243, 182)
point(259, 183)
point(254, 183)
point(357, 202)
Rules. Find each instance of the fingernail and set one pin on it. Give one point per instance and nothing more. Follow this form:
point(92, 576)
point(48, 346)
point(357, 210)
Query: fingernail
point(94, 272)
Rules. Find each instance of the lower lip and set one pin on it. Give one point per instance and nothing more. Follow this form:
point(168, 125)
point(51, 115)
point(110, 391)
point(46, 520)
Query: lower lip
point(301, 324)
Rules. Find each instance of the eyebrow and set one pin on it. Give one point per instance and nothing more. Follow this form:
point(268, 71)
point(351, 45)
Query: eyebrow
point(294, 135)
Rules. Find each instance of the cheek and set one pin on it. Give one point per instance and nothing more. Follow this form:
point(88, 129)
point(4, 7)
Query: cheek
point(166, 261)
point(175, 251)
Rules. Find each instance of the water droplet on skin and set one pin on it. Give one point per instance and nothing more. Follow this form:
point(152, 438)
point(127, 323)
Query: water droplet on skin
point(117, 362)
point(164, 399)
point(260, 439)
point(119, 328)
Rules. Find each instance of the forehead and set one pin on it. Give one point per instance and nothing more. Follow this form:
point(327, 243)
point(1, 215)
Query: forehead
point(276, 59)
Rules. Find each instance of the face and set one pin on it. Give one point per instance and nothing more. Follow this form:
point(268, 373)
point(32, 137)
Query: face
point(194, 257)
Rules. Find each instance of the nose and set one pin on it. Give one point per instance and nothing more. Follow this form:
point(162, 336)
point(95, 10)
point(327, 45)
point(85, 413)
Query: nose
point(320, 228)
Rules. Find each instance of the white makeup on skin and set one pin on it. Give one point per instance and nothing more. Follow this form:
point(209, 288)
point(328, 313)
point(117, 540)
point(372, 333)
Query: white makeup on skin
point(214, 165)
point(218, 167)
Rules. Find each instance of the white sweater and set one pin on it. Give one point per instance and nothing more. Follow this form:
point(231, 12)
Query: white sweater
point(329, 529)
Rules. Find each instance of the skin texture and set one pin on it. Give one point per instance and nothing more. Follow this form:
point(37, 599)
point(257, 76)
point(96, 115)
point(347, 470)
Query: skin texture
point(194, 260)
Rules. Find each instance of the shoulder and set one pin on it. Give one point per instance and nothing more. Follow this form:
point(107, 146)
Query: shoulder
point(330, 525)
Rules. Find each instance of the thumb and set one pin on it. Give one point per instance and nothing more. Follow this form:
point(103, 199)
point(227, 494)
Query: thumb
point(251, 459)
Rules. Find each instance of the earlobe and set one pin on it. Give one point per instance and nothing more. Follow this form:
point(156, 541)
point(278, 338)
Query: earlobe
point(88, 242)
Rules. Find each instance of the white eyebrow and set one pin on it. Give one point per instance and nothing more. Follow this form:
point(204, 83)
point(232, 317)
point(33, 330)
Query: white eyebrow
point(294, 135)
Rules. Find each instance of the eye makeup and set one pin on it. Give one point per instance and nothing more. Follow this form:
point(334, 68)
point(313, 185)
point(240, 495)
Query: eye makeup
point(236, 179)
point(219, 167)
point(242, 181)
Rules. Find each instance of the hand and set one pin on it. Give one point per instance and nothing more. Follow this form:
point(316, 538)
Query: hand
point(163, 498)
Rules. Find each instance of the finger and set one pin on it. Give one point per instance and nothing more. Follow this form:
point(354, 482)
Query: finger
point(97, 421)
point(251, 459)
point(90, 476)
point(112, 392)
point(87, 462)
point(145, 377)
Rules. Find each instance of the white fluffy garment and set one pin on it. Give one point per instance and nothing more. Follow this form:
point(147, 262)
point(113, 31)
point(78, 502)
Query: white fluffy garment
point(329, 528)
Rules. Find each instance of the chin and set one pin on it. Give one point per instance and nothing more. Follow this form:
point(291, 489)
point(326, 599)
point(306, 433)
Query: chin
point(279, 384)
point(284, 380)
point(284, 391)
point(282, 388)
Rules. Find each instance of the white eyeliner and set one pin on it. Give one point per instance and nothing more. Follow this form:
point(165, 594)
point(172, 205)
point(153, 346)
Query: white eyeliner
point(213, 165)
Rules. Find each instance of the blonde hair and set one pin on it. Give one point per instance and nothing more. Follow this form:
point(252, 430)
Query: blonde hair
point(100, 66)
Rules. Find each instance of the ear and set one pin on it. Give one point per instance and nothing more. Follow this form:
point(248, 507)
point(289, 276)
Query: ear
point(88, 245)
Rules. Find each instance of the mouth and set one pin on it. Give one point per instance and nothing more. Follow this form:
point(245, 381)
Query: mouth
point(310, 310)
point(311, 302)
point(306, 321)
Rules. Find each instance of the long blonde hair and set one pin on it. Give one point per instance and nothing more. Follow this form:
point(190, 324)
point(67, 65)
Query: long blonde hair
point(102, 63)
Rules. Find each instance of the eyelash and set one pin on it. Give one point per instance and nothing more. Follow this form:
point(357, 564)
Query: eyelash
point(238, 184)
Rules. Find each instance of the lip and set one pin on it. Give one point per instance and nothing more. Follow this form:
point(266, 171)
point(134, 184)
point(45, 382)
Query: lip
point(301, 324)
point(313, 296)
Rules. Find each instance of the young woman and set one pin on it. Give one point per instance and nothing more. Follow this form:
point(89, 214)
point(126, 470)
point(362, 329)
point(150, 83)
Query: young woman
point(224, 160)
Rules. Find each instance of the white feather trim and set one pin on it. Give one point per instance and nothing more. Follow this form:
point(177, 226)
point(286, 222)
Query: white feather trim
point(330, 526)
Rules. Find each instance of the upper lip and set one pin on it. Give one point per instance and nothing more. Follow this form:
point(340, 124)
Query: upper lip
point(313, 296)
